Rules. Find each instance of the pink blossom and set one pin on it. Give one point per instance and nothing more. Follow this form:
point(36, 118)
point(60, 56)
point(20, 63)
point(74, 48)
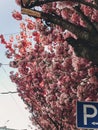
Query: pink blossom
point(17, 15)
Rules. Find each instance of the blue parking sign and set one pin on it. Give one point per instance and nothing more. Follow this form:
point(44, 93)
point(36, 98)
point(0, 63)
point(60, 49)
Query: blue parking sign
point(87, 115)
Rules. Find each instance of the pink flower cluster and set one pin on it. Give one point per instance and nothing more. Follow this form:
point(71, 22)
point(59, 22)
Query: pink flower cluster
point(50, 78)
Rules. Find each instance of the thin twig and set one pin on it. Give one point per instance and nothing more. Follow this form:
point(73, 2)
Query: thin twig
point(9, 92)
point(52, 121)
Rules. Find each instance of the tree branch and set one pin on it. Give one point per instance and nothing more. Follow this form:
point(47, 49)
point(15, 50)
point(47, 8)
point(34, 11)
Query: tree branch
point(33, 13)
point(39, 3)
point(51, 120)
point(38, 122)
point(86, 3)
point(96, 1)
point(79, 31)
point(27, 3)
point(22, 5)
point(61, 124)
point(89, 24)
point(84, 49)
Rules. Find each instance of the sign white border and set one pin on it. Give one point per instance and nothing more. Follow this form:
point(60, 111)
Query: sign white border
point(76, 115)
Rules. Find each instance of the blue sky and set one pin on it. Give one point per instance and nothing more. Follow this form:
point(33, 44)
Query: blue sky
point(12, 108)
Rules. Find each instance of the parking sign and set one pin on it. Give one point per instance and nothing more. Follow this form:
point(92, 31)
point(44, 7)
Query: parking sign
point(87, 115)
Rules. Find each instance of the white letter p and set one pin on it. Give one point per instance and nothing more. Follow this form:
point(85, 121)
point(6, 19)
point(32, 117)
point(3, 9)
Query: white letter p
point(85, 107)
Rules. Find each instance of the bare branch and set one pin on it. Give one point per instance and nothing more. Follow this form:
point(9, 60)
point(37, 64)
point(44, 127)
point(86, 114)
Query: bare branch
point(33, 13)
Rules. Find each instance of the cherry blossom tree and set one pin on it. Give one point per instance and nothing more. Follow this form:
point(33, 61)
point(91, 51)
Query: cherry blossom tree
point(80, 17)
point(56, 59)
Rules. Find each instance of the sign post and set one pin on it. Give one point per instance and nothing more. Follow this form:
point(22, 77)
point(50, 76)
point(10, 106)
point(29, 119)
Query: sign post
point(87, 115)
